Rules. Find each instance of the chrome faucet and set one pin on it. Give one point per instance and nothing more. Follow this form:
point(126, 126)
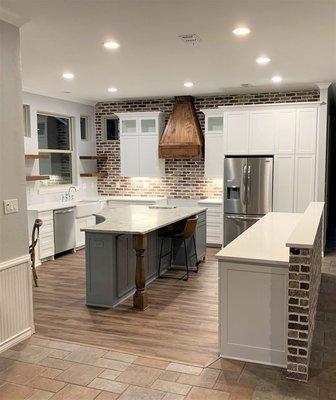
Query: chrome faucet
point(67, 196)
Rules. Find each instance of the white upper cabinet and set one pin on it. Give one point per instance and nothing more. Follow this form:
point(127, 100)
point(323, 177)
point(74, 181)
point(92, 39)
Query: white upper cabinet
point(261, 140)
point(128, 126)
point(214, 156)
point(306, 126)
point(283, 187)
point(214, 124)
point(139, 144)
point(149, 163)
point(129, 156)
point(237, 132)
point(285, 125)
point(148, 126)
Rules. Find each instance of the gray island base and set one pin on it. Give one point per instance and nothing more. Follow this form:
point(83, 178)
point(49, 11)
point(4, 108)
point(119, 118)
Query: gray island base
point(122, 251)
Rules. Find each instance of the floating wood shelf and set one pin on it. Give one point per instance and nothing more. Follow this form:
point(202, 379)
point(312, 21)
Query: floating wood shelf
point(37, 177)
point(92, 174)
point(100, 158)
point(40, 156)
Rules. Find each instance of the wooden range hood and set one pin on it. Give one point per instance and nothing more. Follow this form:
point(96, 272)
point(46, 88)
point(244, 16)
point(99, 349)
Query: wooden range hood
point(182, 137)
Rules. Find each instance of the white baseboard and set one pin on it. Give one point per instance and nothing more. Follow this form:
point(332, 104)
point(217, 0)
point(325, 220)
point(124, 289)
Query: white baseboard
point(7, 344)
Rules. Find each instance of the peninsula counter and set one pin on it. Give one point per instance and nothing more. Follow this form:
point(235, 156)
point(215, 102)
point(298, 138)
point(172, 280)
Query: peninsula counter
point(122, 251)
point(269, 279)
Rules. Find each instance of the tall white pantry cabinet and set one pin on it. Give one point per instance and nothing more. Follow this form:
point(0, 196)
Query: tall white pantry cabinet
point(286, 131)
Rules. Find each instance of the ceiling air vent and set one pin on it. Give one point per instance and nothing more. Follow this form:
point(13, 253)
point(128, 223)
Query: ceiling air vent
point(191, 39)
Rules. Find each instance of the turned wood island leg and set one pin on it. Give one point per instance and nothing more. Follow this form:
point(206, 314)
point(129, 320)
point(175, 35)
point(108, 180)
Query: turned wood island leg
point(140, 297)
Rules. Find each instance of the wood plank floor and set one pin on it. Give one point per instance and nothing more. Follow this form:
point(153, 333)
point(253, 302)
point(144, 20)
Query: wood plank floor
point(180, 324)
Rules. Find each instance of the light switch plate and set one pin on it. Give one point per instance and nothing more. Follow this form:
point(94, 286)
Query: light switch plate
point(11, 206)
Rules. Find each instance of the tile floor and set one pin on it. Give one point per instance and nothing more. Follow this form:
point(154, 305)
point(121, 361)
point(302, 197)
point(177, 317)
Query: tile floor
point(42, 368)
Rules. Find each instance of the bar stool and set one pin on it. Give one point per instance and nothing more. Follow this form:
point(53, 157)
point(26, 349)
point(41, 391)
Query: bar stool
point(188, 231)
point(35, 235)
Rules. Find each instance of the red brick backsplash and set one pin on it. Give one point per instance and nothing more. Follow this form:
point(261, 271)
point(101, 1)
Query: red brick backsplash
point(183, 178)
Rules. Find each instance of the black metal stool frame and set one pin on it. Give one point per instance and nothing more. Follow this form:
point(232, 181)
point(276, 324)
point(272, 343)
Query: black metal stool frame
point(185, 277)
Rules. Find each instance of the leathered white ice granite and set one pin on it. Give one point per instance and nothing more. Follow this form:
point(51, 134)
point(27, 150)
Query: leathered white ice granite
point(140, 219)
point(264, 242)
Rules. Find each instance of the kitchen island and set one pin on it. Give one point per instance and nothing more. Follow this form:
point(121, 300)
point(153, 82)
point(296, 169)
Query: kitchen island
point(269, 279)
point(122, 250)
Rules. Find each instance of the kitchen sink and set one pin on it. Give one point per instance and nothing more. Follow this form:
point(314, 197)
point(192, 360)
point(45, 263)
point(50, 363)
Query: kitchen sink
point(85, 208)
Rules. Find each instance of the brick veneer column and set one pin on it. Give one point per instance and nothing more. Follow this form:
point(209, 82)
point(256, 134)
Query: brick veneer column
point(303, 289)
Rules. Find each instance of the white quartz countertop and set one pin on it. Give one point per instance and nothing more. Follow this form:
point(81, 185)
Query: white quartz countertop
point(211, 201)
point(52, 206)
point(264, 242)
point(58, 205)
point(140, 219)
point(303, 236)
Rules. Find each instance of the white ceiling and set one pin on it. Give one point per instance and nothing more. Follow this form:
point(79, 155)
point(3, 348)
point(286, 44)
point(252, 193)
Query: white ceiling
point(67, 35)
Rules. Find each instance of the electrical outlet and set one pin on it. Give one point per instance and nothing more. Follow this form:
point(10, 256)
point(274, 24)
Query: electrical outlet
point(11, 206)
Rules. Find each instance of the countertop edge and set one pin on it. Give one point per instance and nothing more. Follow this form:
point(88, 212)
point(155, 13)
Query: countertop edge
point(95, 228)
point(257, 261)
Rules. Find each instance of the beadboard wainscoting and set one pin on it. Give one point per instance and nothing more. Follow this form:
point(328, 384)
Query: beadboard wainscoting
point(183, 178)
point(16, 302)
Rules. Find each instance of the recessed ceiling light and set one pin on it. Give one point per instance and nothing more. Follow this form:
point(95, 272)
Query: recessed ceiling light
point(241, 31)
point(111, 44)
point(112, 89)
point(276, 79)
point(68, 75)
point(188, 84)
point(263, 60)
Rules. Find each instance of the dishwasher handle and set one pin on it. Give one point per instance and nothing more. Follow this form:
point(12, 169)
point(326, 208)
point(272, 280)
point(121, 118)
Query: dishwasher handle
point(63, 211)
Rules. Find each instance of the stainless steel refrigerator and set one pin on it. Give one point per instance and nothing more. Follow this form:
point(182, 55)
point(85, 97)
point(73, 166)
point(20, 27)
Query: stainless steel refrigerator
point(248, 193)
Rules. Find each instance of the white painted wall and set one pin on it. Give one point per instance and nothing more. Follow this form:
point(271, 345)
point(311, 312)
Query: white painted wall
point(13, 227)
point(16, 305)
point(86, 186)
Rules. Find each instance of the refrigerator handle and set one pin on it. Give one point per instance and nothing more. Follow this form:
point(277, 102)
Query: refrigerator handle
point(248, 185)
point(244, 194)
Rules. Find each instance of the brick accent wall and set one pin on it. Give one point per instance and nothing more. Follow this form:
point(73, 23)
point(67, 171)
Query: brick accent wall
point(183, 178)
point(303, 289)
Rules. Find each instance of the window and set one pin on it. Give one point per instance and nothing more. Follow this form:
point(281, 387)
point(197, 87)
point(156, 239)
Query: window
point(110, 127)
point(26, 120)
point(54, 135)
point(84, 127)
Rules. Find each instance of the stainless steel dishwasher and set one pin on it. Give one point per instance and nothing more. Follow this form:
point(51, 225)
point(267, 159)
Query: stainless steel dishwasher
point(64, 229)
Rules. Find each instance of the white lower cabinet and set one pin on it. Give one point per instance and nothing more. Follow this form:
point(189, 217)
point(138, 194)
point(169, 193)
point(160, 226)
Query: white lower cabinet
point(46, 240)
point(214, 155)
point(214, 222)
point(304, 181)
point(283, 192)
point(81, 223)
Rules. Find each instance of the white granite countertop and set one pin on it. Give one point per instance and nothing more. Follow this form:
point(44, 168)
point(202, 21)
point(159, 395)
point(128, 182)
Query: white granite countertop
point(140, 219)
point(264, 242)
point(213, 200)
point(134, 198)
